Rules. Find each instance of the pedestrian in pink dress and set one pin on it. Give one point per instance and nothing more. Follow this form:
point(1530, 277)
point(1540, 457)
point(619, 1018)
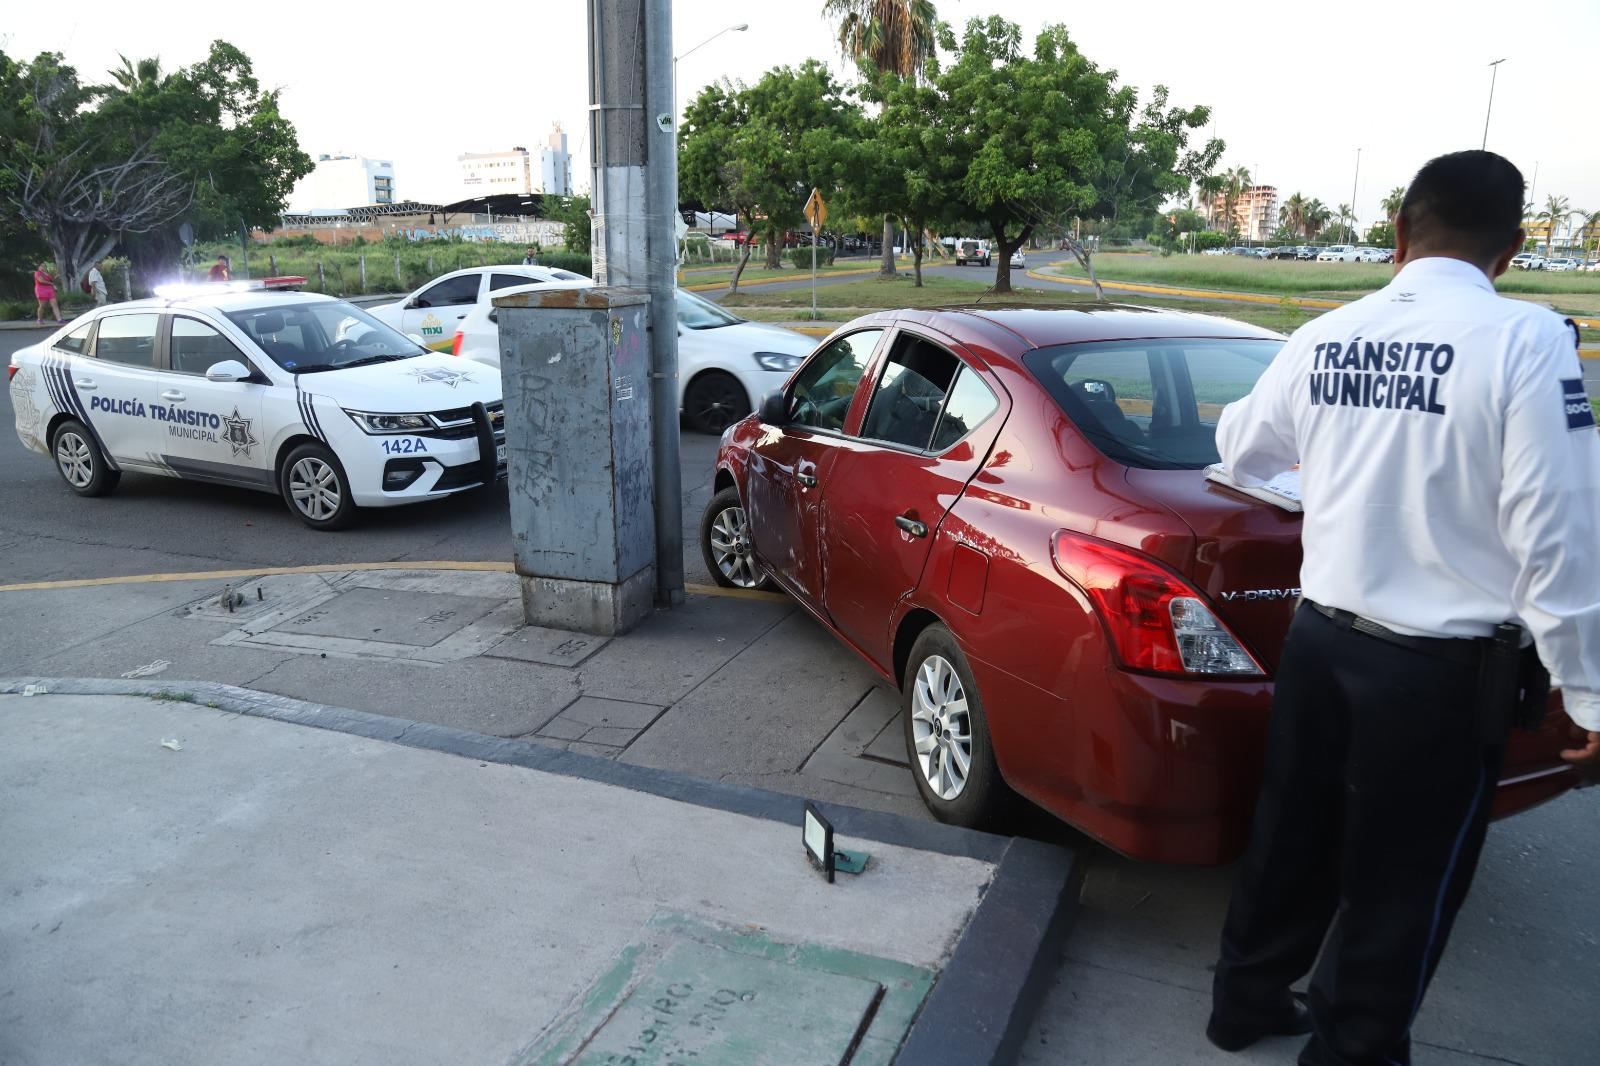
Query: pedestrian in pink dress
point(44, 290)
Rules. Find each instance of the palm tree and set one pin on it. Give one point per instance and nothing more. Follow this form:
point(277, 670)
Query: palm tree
point(1208, 188)
point(1236, 180)
point(1556, 210)
point(1317, 215)
point(898, 37)
point(134, 75)
point(1391, 203)
point(1293, 213)
point(1345, 214)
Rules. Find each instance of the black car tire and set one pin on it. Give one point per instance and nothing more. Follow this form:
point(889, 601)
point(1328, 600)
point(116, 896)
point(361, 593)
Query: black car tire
point(313, 466)
point(714, 401)
point(73, 448)
point(725, 544)
point(984, 800)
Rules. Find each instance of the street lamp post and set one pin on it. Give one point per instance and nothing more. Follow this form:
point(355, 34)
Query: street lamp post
point(740, 28)
point(1494, 72)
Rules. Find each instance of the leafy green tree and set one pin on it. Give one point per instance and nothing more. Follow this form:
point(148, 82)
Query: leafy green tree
point(888, 37)
point(1292, 214)
point(1235, 182)
point(759, 150)
point(573, 213)
point(1381, 235)
point(1045, 137)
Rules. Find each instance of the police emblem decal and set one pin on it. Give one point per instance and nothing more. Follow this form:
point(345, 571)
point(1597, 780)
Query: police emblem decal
point(440, 375)
point(236, 431)
point(1580, 415)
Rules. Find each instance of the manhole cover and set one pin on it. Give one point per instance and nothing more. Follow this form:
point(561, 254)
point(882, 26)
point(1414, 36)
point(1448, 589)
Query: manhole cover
point(393, 616)
point(710, 1006)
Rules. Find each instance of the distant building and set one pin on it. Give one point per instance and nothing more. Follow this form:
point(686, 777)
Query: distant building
point(555, 165)
point(340, 181)
point(492, 173)
point(489, 173)
point(1255, 213)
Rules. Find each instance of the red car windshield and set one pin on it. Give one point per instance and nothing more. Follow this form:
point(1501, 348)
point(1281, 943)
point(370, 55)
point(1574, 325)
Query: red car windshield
point(1152, 404)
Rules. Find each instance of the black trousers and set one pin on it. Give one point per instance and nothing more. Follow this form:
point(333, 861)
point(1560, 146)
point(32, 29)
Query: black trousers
point(1372, 814)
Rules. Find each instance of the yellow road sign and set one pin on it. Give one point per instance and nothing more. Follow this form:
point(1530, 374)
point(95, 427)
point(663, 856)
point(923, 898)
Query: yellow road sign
point(816, 210)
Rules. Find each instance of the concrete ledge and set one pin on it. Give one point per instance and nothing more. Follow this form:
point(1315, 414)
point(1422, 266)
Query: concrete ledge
point(981, 1006)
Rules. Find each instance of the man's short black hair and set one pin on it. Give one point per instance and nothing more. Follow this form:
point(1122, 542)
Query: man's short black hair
point(1467, 202)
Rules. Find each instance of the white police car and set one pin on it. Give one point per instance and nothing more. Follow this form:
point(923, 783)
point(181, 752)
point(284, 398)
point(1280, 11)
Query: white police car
point(287, 392)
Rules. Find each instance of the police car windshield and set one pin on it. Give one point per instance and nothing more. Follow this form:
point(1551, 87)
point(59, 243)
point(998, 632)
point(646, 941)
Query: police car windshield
point(1152, 404)
point(317, 335)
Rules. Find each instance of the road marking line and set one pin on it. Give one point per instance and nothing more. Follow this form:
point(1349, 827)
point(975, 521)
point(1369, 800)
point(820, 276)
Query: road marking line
point(483, 566)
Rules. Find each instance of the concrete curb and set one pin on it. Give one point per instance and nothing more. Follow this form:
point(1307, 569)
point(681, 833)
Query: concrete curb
point(983, 1001)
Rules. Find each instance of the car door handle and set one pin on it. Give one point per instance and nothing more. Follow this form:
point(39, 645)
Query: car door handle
point(808, 480)
point(86, 384)
point(911, 525)
point(174, 395)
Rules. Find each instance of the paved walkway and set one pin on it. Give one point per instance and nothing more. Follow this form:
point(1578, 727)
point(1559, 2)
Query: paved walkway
point(186, 883)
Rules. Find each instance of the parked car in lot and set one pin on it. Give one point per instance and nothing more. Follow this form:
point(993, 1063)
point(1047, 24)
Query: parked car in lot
point(1285, 252)
point(433, 311)
point(1367, 254)
point(1306, 252)
point(1004, 512)
point(1214, 251)
point(725, 363)
point(286, 392)
point(969, 250)
point(1529, 261)
point(1337, 253)
point(1564, 264)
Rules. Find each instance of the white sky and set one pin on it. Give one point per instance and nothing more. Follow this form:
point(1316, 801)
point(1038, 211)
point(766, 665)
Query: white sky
point(420, 83)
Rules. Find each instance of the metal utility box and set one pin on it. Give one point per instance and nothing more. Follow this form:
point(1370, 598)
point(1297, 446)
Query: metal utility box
point(576, 369)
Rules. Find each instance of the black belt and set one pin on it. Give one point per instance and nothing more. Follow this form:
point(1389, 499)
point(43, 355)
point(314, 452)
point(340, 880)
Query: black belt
point(1464, 650)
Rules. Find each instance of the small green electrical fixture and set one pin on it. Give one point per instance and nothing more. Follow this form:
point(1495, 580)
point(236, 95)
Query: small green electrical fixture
point(817, 836)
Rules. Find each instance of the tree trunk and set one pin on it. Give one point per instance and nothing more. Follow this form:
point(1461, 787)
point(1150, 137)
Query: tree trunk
point(916, 260)
point(1085, 260)
point(744, 257)
point(886, 265)
point(774, 248)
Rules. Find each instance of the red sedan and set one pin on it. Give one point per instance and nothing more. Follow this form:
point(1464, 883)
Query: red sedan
point(1004, 512)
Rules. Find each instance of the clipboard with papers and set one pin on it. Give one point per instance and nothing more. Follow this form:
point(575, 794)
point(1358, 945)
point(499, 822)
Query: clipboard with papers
point(1281, 491)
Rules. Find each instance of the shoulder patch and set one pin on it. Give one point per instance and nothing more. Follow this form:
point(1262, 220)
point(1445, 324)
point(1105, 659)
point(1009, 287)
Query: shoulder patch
point(1580, 415)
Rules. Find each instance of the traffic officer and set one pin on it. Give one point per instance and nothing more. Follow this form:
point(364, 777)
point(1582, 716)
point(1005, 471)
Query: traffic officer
point(1451, 483)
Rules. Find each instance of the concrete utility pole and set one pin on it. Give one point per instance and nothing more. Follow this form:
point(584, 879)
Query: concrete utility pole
point(635, 202)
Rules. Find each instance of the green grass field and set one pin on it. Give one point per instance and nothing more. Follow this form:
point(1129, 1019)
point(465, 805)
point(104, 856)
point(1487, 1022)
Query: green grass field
point(849, 299)
point(1285, 276)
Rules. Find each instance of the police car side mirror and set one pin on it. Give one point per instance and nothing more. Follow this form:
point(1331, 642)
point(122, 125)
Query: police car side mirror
point(228, 370)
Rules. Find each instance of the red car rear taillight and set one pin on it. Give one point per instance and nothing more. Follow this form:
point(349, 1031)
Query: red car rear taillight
point(455, 345)
point(1157, 621)
point(11, 370)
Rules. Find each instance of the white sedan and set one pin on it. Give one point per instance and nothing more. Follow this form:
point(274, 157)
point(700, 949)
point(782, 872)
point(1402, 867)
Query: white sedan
point(1337, 253)
point(434, 311)
point(286, 392)
point(725, 363)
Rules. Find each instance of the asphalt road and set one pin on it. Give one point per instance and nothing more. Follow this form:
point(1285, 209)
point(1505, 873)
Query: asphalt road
point(157, 524)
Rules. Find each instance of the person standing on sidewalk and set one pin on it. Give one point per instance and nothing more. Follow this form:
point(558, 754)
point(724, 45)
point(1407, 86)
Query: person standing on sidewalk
point(1451, 483)
point(97, 284)
point(44, 291)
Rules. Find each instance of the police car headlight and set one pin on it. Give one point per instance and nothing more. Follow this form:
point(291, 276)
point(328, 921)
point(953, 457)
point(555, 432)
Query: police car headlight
point(376, 423)
point(780, 361)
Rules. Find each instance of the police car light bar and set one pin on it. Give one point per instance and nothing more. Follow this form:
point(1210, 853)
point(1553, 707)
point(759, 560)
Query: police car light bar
point(178, 290)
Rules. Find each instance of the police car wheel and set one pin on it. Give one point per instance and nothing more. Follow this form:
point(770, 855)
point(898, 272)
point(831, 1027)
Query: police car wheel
point(714, 401)
point(80, 462)
point(947, 735)
point(314, 486)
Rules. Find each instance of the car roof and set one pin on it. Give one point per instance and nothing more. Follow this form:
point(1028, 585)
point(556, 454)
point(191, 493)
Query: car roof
point(1011, 332)
point(225, 301)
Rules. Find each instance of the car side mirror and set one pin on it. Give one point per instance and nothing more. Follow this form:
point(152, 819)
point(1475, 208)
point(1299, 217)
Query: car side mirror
point(228, 370)
point(415, 302)
point(774, 408)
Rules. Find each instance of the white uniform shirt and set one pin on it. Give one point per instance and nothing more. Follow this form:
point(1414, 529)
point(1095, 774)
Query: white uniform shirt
point(97, 285)
point(1451, 466)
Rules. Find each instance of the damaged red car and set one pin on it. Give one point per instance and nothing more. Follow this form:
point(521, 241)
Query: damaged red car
point(1005, 513)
